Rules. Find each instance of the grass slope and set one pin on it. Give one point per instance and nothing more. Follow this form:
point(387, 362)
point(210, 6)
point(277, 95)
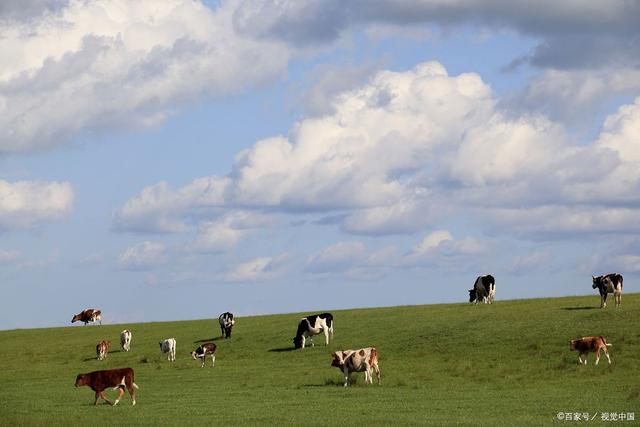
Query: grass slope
point(505, 364)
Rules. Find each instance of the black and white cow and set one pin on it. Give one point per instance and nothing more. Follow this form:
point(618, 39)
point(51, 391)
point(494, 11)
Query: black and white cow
point(314, 325)
point(484, 289)
point(608, 284)
point(226, 324)
point(203, 350)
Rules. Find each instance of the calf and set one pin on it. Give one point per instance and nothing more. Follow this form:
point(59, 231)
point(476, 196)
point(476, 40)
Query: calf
point(102, 349)
point(608, 284)
point(168, 346)
point(88, 315)
point(125, 340)
point(585, 345)
point(362, 360)
point(314, 325)
point(226, 321)
point(98, 381)
point(202, 351)
point(484, 288)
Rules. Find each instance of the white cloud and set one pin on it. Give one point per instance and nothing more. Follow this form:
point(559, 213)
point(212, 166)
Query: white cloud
point(143, 256)
point(9, 256)
point(337, 257)
point(26, 204)
point(532, 261)
point(440, 249)
point(100, 65)
point(257, 269)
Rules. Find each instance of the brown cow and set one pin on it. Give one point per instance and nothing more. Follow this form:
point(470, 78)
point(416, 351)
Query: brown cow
point(585, 345)
point(102, 349)
point(116, 378)
point(364, 359)
point(88, 315)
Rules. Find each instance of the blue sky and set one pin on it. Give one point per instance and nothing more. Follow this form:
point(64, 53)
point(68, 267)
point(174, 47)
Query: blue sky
point(176, 160)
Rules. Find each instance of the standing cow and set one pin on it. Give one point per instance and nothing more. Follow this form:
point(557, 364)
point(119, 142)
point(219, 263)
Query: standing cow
point(585, 345)
point(116, 378)
point(608, 284)
point(102, 349)
point(483, 289)
point(226, 321)
point(314, 325)
point(203, 350)
point(168, 347)
point(88, 315)
point(361, 360)
point(125, 340)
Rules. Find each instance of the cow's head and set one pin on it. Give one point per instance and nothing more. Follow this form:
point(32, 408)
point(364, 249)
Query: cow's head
point(194, 354)
point(337, 360)
point(160, 343)
point(81, 380)
point(472, 295)
point(596, 281)
point(75, 318)
point(297, 341)
point(572, 344)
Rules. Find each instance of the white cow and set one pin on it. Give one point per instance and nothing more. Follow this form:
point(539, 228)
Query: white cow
point(125, 340)
point(169, 346)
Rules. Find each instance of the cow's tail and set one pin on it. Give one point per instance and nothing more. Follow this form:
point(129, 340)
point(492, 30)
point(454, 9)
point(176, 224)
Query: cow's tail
point(605, 342)
point(135, 385)
point(122, 384)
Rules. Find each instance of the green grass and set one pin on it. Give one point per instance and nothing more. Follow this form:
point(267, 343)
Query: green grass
point(453, 364)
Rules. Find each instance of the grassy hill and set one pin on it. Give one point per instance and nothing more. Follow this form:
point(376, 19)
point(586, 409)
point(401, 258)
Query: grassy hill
point(505, 364)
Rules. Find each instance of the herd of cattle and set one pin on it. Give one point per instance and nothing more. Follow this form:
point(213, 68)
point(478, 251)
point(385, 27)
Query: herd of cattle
point(348, 361)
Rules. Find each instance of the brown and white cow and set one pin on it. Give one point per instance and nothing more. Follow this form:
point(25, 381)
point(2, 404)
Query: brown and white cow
point(361, 360)
point(102, 349)
point(125, 340)
point(202, 351)
point(608, 284)
point(88, 315)
point(585, 345)
point(98, 381)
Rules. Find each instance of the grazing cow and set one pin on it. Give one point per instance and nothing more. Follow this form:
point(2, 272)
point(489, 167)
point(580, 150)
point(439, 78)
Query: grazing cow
point(484, 289)
point(362, 360)
point(202, 351)
point(226, 324)
point(125, 340)
point(102, 349)
point(88, 315)
point(98, 381)
point(314, 325)
point(585, 345)
point(169, 346)
point(608, 284)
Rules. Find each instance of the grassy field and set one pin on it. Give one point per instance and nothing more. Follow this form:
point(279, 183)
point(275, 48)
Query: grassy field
point(453, 364)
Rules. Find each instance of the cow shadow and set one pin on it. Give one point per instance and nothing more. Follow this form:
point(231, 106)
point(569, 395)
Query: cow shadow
point(282, 349)
point(580, 308)
point(208, 340)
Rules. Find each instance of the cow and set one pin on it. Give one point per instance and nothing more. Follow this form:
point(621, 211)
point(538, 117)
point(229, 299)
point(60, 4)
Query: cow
point(88, 315)
point(168, 346)
point(361, 360)
point(483, 289)
point(226, 321)
point(125, 340)
point(203, 350)
point(585, 345)
point(314, 325)
point(98, 381)
point(608, 284)
point(102, 349)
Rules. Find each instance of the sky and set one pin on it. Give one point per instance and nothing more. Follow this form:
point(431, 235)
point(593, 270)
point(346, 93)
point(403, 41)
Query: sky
point(178, 159)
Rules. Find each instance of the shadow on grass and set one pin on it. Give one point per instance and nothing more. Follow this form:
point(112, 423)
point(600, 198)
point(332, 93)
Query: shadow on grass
point(579, 308)
point(327, 383)
point(208, 340)
point(281, 349)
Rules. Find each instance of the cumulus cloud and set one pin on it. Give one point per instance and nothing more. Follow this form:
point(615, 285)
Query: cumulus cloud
point(27, 204)
point(351, 259)
point(115, 64)
point(9, 256)
point(143, 256)
point(532, 261)
point(440, 249)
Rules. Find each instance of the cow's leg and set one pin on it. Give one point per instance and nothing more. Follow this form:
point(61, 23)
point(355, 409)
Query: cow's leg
point(347, 375)
point(326, 336)
point(331, 333)
point(104, 398)
point(119, 396)
point(132, 393)
point(618, 297)
point(598, 355)
point(604, 300)
point(375, 367)
point(95, 402)
point(213, 359)
point(580, 361)
point(367, 374)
